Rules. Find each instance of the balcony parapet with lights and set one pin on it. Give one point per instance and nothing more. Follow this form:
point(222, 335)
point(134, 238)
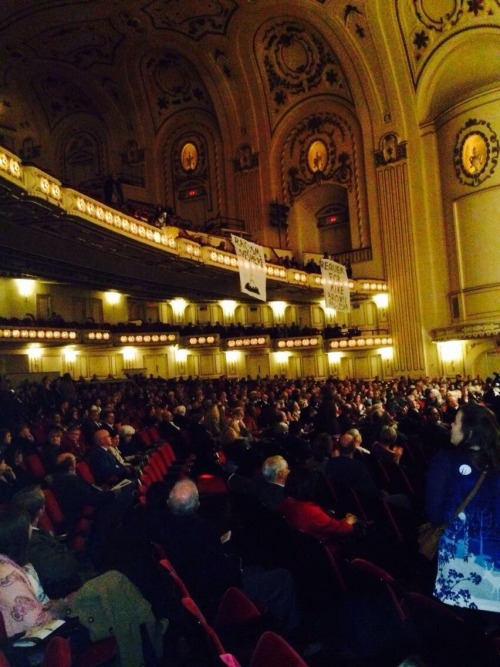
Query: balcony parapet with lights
point(39, 334)
point(360, 342)
point(146, 338)
point(201, 340)
point(298, 343)
point(466, 332)
point(247, 342)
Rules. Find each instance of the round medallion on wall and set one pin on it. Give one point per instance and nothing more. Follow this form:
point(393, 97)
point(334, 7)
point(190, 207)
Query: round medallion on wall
point(476, 152)
point(189, 157)
point(317, 156)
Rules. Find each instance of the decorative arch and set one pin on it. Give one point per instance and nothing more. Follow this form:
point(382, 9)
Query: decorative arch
point(82, 156)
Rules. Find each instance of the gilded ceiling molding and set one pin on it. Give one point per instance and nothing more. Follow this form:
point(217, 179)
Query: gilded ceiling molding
point(193, 19)
point(425, 25)
point(390, 150)
point(82, 44)
point(246, 159)
point(172, 84)
point(319, 150)
point(475, 155)
point(295, 62)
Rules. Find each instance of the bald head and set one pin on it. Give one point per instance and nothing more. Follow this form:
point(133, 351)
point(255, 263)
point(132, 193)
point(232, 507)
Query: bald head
point(102, 438)
point(184, 497)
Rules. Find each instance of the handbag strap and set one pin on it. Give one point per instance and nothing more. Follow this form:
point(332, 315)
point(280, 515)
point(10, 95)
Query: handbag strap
point(471, 495)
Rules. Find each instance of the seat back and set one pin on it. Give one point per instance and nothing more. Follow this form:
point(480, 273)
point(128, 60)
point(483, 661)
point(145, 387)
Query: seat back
point(84, 471)
point(57, 653)
point(53, 510)
point(272, 650)
point(35, 466)
point(235, 607)
point(206, 632)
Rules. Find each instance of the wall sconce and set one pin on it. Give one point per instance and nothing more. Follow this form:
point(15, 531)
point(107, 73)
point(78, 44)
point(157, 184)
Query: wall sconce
point(387, 353)
point(25, 287)
point(113, 298)
point(35, 352)
point(181, 355)
point(278, 308)
point(381, 300)
point(178, 306)
point(232, 356)
point(330, 313)
point(228, 308)
point(70, 355)
point(334, 362)
point(451, 350)
point(129, 356)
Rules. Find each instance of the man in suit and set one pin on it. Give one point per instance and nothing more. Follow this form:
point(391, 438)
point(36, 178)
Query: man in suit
point(104, 466)
point(270, 488)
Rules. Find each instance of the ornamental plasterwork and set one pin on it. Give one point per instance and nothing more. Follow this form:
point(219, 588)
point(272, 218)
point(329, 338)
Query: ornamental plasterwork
point(171, 83)
point(425, 24)
point(476, 152)
point(80, 44)
point(466, 332)
point(295, 62)
point(194, 19)
point(189, 160)
point(59, 97)
point(391, 150)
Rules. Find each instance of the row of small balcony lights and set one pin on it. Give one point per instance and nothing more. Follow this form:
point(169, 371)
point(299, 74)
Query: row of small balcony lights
point(37, 183)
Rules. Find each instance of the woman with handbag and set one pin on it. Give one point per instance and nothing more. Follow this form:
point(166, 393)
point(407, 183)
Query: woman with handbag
point(463, 496)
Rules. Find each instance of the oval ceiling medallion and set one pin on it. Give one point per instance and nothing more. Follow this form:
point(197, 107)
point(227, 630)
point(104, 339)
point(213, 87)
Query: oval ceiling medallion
point(438, 14)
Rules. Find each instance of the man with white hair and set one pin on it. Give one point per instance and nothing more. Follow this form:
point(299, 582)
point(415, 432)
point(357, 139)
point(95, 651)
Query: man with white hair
point(194, 547)
point(269, 489)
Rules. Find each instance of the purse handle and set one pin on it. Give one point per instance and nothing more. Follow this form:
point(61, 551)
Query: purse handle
point(471, 495)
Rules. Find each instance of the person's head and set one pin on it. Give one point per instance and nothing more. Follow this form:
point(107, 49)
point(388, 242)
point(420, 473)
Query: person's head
point(15, 532)
point(322, 446)
point(126, 432)
point(388, 435)
point(115, 440)
point(347, 445)
point(54, 437)
point(475, 428)
point(356, 435)
point(301, 484)
point(108, 417)
point(102, 438)
point(66, 462)
point(31, 500)
point(275, 470)
point(5, 437)
point(73, 434)
point(183, 498)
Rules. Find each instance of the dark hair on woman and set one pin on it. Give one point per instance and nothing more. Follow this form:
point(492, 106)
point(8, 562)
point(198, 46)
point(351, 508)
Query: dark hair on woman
point(481, 435)
point(14, 534)
point(301, 485)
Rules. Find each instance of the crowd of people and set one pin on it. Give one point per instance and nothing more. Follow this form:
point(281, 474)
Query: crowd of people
point(292, 448)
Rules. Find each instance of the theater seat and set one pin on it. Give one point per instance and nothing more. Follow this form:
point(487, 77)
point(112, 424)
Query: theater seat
point(272, 650)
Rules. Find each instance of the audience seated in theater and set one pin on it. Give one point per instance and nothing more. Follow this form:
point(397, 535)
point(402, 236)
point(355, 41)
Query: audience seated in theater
point(350, 470)
point(108, 422)
point(197, 551)
point(50, 450)
point(105, 468)
point(295, 444)
point(72, 442)
point(322, 451)
point(385, 447)
point(303, 513)
point(269, 487)
point(24, 439)
point(59, 570)
point(91, 425)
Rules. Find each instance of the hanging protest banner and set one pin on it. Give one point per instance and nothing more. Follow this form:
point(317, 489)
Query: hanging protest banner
point(252, 266)
point(336, 285)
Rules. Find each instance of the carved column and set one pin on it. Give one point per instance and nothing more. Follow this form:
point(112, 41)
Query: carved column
point(399, 256)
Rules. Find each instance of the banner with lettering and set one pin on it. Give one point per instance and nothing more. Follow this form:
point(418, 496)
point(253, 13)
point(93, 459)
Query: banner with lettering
point(252, 266)
point(336, 285)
